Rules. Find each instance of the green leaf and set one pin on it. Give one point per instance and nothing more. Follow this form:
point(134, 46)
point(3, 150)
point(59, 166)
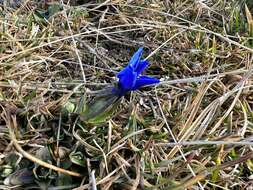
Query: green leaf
point(100, 109)
point(81, 107)
point(63, 180)
point(78, 158)
point(52, 10)
point(69, 107)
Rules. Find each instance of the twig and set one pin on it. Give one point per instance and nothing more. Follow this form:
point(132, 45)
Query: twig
point(186, 143)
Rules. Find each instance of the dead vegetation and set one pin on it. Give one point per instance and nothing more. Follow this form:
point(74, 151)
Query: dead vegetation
point(192, 131)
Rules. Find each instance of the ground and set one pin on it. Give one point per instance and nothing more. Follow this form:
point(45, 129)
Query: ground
point(191, 131)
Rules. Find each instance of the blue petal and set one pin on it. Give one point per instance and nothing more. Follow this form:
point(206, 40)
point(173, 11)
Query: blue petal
point(144, 80)
point(124, 71)
point(134, 61)
point(141, 66)
point(127, 79)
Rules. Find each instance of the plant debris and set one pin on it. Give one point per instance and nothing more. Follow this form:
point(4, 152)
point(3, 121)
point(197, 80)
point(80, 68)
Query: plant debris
point(58, 130)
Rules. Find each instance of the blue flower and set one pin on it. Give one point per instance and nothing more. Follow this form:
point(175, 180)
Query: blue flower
point(130, 77)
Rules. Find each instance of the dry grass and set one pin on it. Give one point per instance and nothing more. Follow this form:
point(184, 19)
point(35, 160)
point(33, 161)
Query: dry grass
point(192, 131)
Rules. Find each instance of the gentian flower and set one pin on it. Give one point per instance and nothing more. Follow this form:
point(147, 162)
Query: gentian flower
point(130, 77)
point(102, 106)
